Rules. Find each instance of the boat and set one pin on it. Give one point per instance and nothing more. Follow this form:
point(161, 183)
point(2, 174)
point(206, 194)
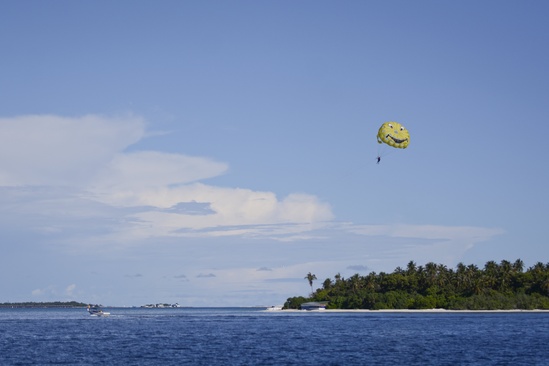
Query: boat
point(95, 310)
point(274, 308)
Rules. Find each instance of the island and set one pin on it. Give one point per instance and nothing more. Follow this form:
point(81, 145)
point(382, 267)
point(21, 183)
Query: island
point(497, 286)
point(54, 304)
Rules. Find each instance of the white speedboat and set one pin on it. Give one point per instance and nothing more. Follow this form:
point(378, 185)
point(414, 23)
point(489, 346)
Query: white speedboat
point(95, 310)
point(274, 308)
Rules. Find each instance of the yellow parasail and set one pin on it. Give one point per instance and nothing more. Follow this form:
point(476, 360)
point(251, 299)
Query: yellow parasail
point(393, 134)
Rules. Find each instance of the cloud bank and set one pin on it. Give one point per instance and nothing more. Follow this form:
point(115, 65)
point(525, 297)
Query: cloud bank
point(87, 158)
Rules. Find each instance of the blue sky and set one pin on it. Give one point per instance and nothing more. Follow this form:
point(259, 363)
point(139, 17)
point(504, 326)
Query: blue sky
point(213, 153)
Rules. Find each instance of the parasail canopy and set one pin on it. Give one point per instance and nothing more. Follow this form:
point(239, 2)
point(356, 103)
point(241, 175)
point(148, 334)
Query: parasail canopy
point(393, 134)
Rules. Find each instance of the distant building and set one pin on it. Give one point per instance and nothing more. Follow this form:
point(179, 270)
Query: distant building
point(176, 305)
point(320, 305)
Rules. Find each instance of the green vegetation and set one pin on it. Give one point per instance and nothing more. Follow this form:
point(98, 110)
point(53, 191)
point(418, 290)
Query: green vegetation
point(55, 304)
point(503, 286)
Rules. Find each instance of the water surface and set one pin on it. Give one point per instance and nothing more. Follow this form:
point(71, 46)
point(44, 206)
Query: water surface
point(243, 336)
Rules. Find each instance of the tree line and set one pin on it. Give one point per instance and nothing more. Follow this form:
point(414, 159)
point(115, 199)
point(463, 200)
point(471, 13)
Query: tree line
point(51, 304)
point(505, 285)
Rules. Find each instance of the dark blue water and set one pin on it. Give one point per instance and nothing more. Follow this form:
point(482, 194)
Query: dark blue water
point(253, 337)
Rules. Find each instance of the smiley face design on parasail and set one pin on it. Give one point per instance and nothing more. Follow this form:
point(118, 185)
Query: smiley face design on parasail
point(393, 134)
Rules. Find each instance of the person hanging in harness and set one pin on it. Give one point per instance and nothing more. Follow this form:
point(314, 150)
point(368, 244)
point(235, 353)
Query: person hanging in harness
point(378, 159)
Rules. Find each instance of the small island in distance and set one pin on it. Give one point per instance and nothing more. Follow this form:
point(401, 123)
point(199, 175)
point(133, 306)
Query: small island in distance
point(51, 304)
point(497, 286)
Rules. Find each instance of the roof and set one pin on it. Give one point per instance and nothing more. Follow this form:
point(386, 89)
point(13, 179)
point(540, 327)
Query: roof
point(315, 303)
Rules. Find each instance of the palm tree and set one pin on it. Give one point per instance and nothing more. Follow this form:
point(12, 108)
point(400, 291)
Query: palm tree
point(310, 277)
point(518, 266)
point(539, 278)
point(412, 276)
point(355, 283)
point(411, 268)
point(473, 279)
point(505, 273)
point(431, 269)
point(370, 282)
point(461, 277)
point(491, 269)
point(443, 275)
point(327, 284)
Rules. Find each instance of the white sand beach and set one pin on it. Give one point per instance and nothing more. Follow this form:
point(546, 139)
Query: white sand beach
point(416, 311)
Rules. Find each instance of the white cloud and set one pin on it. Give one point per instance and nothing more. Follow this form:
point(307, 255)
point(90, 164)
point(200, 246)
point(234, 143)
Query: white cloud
point(53, 150)
point(46, 292)
point(140, 171)
point(70, 289)
point(358, 268)
point(468, 234)
point(38, 292)
point(423, 243)
point(77, 161)
point(235, 210)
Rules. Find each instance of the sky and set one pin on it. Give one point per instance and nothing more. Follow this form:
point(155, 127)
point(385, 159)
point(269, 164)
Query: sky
point(212, 153)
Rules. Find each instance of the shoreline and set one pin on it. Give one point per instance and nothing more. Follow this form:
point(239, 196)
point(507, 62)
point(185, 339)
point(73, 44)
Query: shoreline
point(411, 311)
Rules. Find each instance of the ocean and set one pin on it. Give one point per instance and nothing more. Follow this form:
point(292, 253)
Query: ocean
point(251, 336)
